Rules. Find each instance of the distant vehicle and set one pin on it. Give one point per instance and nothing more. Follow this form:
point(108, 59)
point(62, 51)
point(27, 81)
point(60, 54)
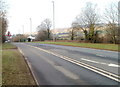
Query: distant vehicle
point(8, 41)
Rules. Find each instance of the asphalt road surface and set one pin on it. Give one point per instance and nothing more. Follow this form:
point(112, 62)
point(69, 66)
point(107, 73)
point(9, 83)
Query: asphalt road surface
point(59, 65)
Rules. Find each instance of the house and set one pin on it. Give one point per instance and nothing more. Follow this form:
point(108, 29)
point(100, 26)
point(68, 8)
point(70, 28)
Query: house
point(30, 38)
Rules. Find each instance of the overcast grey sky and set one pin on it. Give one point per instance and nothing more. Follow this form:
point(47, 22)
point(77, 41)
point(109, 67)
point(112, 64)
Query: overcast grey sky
point(20, 12)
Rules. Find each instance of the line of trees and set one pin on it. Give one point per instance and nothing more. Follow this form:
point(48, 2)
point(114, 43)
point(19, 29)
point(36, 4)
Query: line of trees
point(89, 23)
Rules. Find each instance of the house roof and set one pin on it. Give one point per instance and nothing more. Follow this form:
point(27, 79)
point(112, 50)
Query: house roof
point(31, 37)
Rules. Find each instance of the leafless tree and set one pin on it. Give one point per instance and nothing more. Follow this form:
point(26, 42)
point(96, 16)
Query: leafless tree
point(111, 17)
point(87, 21)
point(3, 21)
point(47, 25)
point(73, 30)
point(41, 36)
point(44, 32)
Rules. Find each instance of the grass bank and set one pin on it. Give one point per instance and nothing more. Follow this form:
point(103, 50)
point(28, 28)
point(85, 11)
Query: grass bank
point(112, 47)
point(8, 46)
point(14, 68)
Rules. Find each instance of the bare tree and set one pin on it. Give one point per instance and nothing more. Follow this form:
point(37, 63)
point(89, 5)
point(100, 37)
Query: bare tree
point(41, 35)
point(44, 32)
point(73, 30)
point(47, 25)
point(3, 21)
point(87, 21)
point(111, 17)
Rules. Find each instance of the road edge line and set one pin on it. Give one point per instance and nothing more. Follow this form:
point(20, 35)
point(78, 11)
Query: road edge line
point(29, 66)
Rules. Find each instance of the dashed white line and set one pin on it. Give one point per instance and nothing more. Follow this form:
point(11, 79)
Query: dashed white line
point(108, 64)
point(92, 68)
point(113, 65)
point(89, 60)
point(100, 55)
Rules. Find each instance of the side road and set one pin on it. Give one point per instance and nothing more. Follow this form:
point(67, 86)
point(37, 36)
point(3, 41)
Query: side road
point(15, 70)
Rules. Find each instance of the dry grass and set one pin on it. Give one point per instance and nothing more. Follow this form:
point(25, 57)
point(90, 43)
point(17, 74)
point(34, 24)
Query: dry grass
point(15, 70)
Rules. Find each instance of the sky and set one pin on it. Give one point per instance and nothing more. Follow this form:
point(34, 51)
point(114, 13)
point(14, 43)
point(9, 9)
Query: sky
point(20, 12)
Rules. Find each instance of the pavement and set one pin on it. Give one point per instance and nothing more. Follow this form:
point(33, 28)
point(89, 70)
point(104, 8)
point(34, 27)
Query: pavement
point(58, 65)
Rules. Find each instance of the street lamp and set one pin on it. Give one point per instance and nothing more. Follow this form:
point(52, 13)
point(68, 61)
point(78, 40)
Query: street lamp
point(30, 26)
point(53, 19)
point(23, 29)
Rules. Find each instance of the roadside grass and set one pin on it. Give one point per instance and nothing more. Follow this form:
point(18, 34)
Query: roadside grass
point(8, 46)
point(112, 47)
point(15, 71)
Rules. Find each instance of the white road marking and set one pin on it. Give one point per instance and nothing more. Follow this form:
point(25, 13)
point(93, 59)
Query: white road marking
point(92, 68)
point(111, 64)
point(89, 60)
point(100, 55)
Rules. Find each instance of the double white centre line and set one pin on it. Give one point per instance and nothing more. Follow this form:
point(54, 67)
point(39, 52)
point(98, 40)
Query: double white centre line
point(92, 68)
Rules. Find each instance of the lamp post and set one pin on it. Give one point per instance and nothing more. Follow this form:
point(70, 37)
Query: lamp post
point(30, 26)
point(19, 34)
point(23, 29)
point(23, 34)
point(53, 19)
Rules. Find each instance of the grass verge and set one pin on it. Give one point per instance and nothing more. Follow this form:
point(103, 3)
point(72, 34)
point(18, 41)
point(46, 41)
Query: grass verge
point(14, 68)
point(112, 47)
point(8, 46)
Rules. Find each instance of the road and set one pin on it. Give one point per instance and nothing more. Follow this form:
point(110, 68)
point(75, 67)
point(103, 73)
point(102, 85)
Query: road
point(59, 65)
